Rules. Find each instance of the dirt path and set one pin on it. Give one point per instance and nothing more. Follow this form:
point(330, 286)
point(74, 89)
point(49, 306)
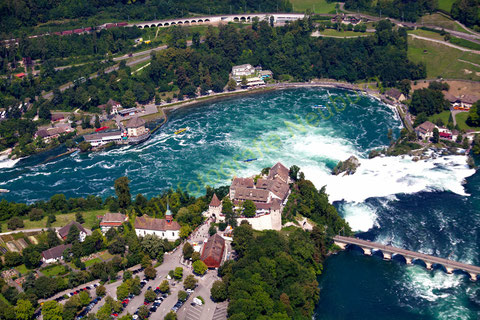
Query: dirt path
point(448, 44)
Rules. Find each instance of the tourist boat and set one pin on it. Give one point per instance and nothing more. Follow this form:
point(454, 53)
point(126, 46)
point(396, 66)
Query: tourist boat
point(181, 130)
point(319, 107)
point(249, 160)
point(4, 190)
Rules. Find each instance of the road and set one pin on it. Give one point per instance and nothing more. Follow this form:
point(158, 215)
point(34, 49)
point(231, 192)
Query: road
point(28, 230)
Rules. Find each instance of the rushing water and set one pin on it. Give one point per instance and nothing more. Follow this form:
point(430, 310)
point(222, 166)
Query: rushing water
point(420, 206)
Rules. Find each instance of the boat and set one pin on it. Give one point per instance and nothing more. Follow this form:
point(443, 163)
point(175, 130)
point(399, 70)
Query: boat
point(181, 130)
point(319, 107)
point(4, 190)
point(249, 160)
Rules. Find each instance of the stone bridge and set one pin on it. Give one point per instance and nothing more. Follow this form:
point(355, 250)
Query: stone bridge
point(278, 18)
point(410, 257)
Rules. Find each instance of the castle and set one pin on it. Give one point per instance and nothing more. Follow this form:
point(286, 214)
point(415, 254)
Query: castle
point(269, 194)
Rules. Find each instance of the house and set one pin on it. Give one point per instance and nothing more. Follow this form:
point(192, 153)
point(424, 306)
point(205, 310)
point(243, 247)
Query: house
point(54, 254)
point(63, 232)
point(242, 70)
point(52, 133)
point(57, 117)
point(279, 171)
point(136, 127)
point(265, 74)
point(102, 138)
point(114, 105)
point(127, 112)
point(162, 228)
point(425, 130)
point(213, 251)
point(254, 81)
point(112, 220)
point(215, 209)
point(396, 95)
point(467, 100)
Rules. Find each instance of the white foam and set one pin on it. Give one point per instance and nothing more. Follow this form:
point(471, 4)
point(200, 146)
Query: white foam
point(9, 163)
point(359, 216)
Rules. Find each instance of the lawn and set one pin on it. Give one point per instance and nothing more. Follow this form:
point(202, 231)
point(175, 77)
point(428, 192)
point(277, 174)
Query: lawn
point(317, 6)
point(427, 34)
point(92, 261)
point(441, 21)
point(461, 118)
point(443, 61)
point(445, 115)
point(465, 43)
point(22, 269)
point(335, 33)
point(106, 256)
point(62, 219)
point(54, 270)
point(445, 4)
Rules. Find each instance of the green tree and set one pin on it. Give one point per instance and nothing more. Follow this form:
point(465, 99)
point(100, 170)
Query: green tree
point(84, 297)
point(36, 214)
point(185, 231)
point(52, 310)
point(182, 295)
point(199, 267)
point(146, 262)
point(150, 296)
point(249, 209)
point(293, 172)
point(150, 272)
point(219, 291)
point(436, 136)
point(164, 286)
point(97, 121)
point(190, 282)
point(231, 85)
point(15, 223)
point(143, 312)
point(212, 230)
point(24, 310)
point(242, 235)
point(31, 258)
point(187, 251)
point(84, 146)
point(178, 273)
point(128, 99)
point(79, 218)
point(12, 259)
point(195, 256)
point(123, 290)
point(123, 192)
point(100, 291)
point(244, 82)
point(170, 316)
point(73, 234)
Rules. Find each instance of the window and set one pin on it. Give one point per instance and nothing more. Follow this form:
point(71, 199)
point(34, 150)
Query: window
point(173, 234)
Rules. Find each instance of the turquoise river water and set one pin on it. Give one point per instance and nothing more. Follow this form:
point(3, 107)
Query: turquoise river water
point(431, 206)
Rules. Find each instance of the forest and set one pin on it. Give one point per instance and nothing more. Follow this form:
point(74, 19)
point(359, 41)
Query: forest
point(20, 16)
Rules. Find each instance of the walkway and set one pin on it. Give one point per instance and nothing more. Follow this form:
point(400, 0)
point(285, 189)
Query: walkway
point(389, 251)
point(448, 44)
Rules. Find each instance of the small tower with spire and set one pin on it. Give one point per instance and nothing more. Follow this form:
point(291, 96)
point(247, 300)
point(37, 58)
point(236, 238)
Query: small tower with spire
point(168, 214)
point(215, 208)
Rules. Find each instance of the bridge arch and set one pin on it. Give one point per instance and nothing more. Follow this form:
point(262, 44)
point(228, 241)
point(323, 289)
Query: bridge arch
point(193, 21)
point(243, 19)
point(207, 20)
point(153, 26)
point(160, 25)
point(146, 26)
point(166, 24)
point(399, 258)
point(200, 20)
point(236, 19)
point(179, 22)
point(172, 23)
point(187, 22)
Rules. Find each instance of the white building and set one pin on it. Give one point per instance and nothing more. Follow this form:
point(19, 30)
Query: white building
point(242, 70)
point(162, 228)
point(215, 209)
point(101, 138)
point(112, 220)
point(54, 254)
point(136, 127)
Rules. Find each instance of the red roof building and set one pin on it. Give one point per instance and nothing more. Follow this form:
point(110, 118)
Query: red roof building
point(112, 220)
point(212, 254)
point(215, 201)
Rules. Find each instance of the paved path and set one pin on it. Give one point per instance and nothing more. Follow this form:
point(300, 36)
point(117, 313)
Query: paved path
point(28, 230)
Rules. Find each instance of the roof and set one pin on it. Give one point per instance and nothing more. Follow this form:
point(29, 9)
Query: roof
point(114, 103)
point(265, 72)
point(57, 116)
point(243, 66)
point(63, 232)
point(100, 135)
point(213, 249)
point(125, 111)
point(279, 170)
point(147, 223)
point(425, 127)
point(394, 93)
point(135, 122)
point(113, 219)
point(278, 187)
point(215, 202)
point(259, 195)
point(450, 97)
point(55, 252)
point(42, 133)
point(274, 205)
point(468, 98)
point(242, 182)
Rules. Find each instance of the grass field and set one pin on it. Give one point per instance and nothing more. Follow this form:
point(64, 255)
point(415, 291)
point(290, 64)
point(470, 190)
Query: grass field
point(317, 6)
point(106, 256)
point(445, 115)
point(53, 270)
point(427, 34)
point(335, 33)
point(465, 43)
point(22, 269)
point(91, 262)
point(62, 219)
point(461, 119)
point(441, 21)
point(445, 4)
point(443, 61)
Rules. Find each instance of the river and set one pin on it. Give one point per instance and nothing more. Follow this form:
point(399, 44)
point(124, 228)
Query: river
point(430, 206)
